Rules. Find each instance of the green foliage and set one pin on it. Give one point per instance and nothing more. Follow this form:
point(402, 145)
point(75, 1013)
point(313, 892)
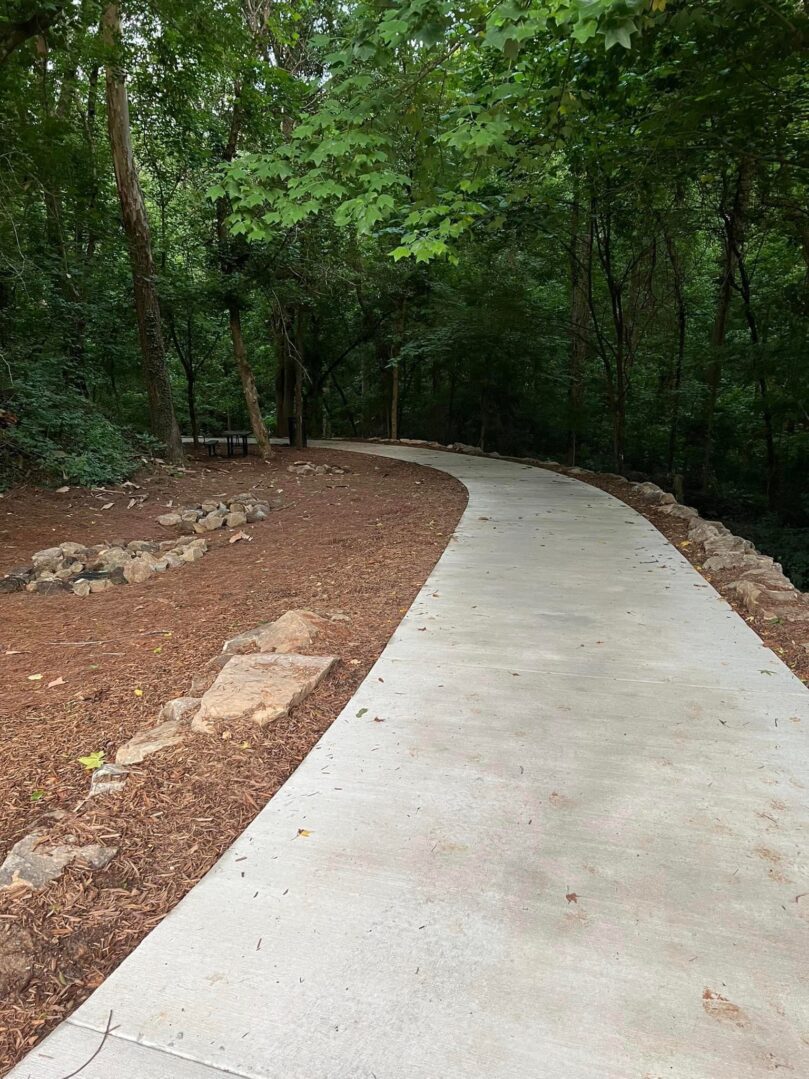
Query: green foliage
point(61, 436)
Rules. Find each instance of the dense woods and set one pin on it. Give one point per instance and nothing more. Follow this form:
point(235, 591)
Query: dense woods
point(564, 228)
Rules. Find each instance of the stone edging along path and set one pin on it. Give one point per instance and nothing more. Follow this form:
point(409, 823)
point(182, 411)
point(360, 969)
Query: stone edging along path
point(761, 587)
point(558, 831)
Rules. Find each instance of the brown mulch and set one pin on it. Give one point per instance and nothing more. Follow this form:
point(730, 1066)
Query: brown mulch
point(789, 640)
point(360, 545)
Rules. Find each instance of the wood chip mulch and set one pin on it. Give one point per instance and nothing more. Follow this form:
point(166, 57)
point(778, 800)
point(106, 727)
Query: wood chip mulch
point(359, 545)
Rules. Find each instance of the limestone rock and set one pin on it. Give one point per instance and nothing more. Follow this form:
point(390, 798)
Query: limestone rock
point(137, 571)
point(699, 531)
point(674, 509)
point(255, 515)
point(260, 688)
point(16, 959)
point(292, 632)
point(145, 743)
point(734, 560)
point(112, 557)
point(169, 520)
point(653, 494)
point(50, 558)
point(75, 551)
point(179, 708)
point(236, 519)
point(15, 580)
point(46, 587)
point(204, 679)
point(35, 861)
point(100, 584)
point(192, 554)
point(108, 779)
point(142, 545)
point(81, 587)
point(211, 521)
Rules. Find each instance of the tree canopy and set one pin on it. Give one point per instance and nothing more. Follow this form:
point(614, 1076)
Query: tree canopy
point(572, 227)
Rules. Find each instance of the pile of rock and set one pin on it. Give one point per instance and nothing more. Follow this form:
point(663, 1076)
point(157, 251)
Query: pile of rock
point(758, 581)
point(306, 468)
point(85, 570)
point(259, 676)
point(216, 513)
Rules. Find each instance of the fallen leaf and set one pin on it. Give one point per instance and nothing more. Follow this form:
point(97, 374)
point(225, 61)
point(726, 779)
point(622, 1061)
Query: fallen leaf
point(34, 677)
point(56, 682)
point(240, 536)
point(37, 795)
point(361, 713)
point(304, 832)
point(138, 692)
point(92, 760)
point(571, 897)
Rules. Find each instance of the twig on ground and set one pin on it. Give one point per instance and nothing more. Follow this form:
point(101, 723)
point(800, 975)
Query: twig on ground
point(107, 1031)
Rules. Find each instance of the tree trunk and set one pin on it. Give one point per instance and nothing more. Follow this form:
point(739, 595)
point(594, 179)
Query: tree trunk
point(677, 375)
point(299, 372)
point(733, 221)
point(192, 406)
point(136, 226)
point(581, 254)
point(394, 402)
point(248, 379)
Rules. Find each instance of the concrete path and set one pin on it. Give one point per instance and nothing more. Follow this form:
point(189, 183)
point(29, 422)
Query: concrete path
point(573, 848)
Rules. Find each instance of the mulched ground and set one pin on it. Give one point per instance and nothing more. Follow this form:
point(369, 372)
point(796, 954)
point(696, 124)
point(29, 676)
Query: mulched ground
point(360, 544)
point(789, 640)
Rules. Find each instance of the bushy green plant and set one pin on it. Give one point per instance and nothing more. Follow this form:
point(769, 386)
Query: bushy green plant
point(60, 436)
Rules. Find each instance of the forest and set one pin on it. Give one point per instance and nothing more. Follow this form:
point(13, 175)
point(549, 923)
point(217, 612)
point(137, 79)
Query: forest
point(571, 228)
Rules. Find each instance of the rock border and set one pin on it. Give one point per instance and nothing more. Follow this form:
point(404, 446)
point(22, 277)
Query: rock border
point(258, 677)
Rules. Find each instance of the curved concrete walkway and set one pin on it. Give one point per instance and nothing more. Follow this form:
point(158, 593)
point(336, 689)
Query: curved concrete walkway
point(572, 850)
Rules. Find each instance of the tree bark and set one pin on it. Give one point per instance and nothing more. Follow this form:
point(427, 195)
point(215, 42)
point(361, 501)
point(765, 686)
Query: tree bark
point(243, 366)
point(733, 236)
point(677, 374)
point(136, 227)
point(581, 254)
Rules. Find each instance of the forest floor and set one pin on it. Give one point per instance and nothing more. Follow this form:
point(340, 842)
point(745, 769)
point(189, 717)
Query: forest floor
point(359, 545)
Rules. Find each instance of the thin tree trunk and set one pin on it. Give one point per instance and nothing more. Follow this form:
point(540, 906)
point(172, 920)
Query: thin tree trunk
point(299, 379)
point(136, 226)
point(580, 257)
point(248, 378)
point(679, 301)
point(192, 407)
point(733, 221)
point(394, 402)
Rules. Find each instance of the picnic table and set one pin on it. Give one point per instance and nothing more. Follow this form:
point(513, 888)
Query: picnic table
point(233, 437)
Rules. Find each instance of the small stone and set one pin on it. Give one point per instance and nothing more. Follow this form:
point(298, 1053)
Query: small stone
point(209, 507)
point(236, 520)
point(108, 779)
point(190, 515)
point(179, 708)
point(35, 862)
point(673, 509)
point(255, 515)
point(100, 584)
point(114, 556)
point(81, 587)
point(147, 742)
point(66, 573)
point(137, 571)
point(48, 559)
point(237, 507)
point(16, 959)
point(141, 545)
point(211, 521)
point(192, 554)
point(75, 551)
point(48, 587)
point(169, 520)
point(292, 632)
point(14, 581)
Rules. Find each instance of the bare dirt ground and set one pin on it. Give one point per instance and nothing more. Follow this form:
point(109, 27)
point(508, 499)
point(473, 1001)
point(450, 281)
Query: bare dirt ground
point(359, 545)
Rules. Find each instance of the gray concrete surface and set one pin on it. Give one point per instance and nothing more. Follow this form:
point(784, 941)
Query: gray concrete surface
point(575, 848)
